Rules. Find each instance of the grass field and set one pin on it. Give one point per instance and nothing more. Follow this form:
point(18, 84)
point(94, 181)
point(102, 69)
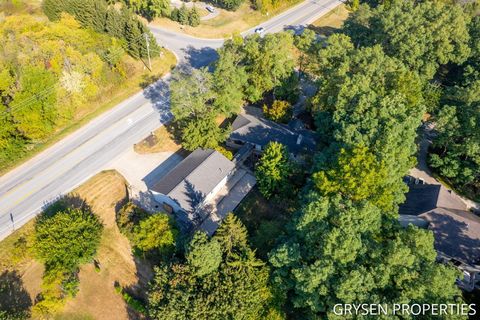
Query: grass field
point(96, 298)
point(226, 23)
point(162, 140)
point(332, 21)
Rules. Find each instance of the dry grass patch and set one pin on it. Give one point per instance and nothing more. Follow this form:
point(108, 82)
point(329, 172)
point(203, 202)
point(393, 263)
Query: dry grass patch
point(332, 21)
point(106, 193)
point(226, 23)
point(96, 298)
point(162, 140)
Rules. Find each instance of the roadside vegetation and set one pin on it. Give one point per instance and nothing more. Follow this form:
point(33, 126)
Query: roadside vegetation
point(57, 75)
point(332, 21)
point(310, 235)
point(255, 70)
point(227, 22)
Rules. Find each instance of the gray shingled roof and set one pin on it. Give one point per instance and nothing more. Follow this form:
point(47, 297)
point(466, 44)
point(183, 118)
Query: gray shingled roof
point(425, 197)
point(248, 128)
point(194, 178)
point(456, 230)
point(456, 233)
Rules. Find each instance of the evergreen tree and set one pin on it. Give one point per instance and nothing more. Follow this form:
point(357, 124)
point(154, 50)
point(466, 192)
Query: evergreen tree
point(233, 288)
point(134, 38)
point(203, 132)
point(115, 23)
point(204, 255)
point(183, 14)
point(273, 170)
point(54, 8)
point(194, 17)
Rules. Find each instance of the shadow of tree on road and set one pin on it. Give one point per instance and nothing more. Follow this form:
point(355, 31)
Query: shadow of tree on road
point(198, 58)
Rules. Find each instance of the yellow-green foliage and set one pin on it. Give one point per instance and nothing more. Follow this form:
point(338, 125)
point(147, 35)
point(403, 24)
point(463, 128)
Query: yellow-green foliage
point(47, 71)
point(226, 153)
point(280, 111)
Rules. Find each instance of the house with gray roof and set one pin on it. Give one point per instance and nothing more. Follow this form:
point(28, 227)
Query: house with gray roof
point(456, 230)
point(192, 183)
point(257, 131)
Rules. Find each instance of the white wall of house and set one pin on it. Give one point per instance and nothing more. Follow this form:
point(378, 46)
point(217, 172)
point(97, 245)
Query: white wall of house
point(215, 190)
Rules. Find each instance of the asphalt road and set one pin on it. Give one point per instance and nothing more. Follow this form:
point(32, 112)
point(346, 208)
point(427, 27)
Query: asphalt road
point(25, 190)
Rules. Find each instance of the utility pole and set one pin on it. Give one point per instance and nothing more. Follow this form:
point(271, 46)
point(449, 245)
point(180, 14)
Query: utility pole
point(148, 51)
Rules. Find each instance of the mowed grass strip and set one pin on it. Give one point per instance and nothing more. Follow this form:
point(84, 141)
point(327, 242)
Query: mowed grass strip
point(96, 299)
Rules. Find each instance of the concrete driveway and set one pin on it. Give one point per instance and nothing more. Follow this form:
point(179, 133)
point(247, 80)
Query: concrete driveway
point(143, 170)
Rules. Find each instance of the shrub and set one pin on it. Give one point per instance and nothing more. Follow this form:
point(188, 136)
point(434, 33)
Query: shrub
point(67, 238)
point(280, 111)
point(155, 233)
point(227, 153)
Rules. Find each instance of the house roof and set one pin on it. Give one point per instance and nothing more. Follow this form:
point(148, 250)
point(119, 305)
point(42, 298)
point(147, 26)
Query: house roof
point(456, 233)
point(425, 197)
point(456, 230)
point(194, 178)
point(259, 131)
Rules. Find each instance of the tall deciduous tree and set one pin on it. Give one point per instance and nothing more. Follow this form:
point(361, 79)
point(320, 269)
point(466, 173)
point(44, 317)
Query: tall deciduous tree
point(423, 35)
point(456, 150)
point(233, 288)
point(343, 252)
point(368, 99)
point(35, 119)
point(67, 238)
point(268, 62)
point(229, 79)
point(155, 233)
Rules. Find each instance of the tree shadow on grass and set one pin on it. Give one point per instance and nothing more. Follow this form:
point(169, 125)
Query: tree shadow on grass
point(14, 299)
point(69, 201)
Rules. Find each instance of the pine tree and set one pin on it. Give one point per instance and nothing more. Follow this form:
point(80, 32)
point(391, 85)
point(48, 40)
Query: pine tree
point(134, 37)
point(115, 23)
point(273, 170)
point(194, 17)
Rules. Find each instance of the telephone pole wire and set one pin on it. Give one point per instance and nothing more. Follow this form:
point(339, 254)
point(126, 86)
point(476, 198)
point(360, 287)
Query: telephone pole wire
point(148, 51)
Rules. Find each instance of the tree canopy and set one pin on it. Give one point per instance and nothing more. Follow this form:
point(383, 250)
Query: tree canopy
point(67, 238)
point(155, 233)
point(421, 34)
point(273, 170)
point(367, 99)
point(220, 279)
point(343, 251)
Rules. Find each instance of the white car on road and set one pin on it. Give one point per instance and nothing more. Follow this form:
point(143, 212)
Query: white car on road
point(260, 30)
point(210, 9)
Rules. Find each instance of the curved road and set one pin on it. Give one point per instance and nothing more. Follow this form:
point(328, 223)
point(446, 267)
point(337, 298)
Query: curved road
point(25, 190)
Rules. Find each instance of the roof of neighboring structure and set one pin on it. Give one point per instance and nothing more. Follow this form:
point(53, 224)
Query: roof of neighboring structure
point(259, 131)
point(456, 230)
point(456, 233)
point(194, 178)
point(425, 197)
